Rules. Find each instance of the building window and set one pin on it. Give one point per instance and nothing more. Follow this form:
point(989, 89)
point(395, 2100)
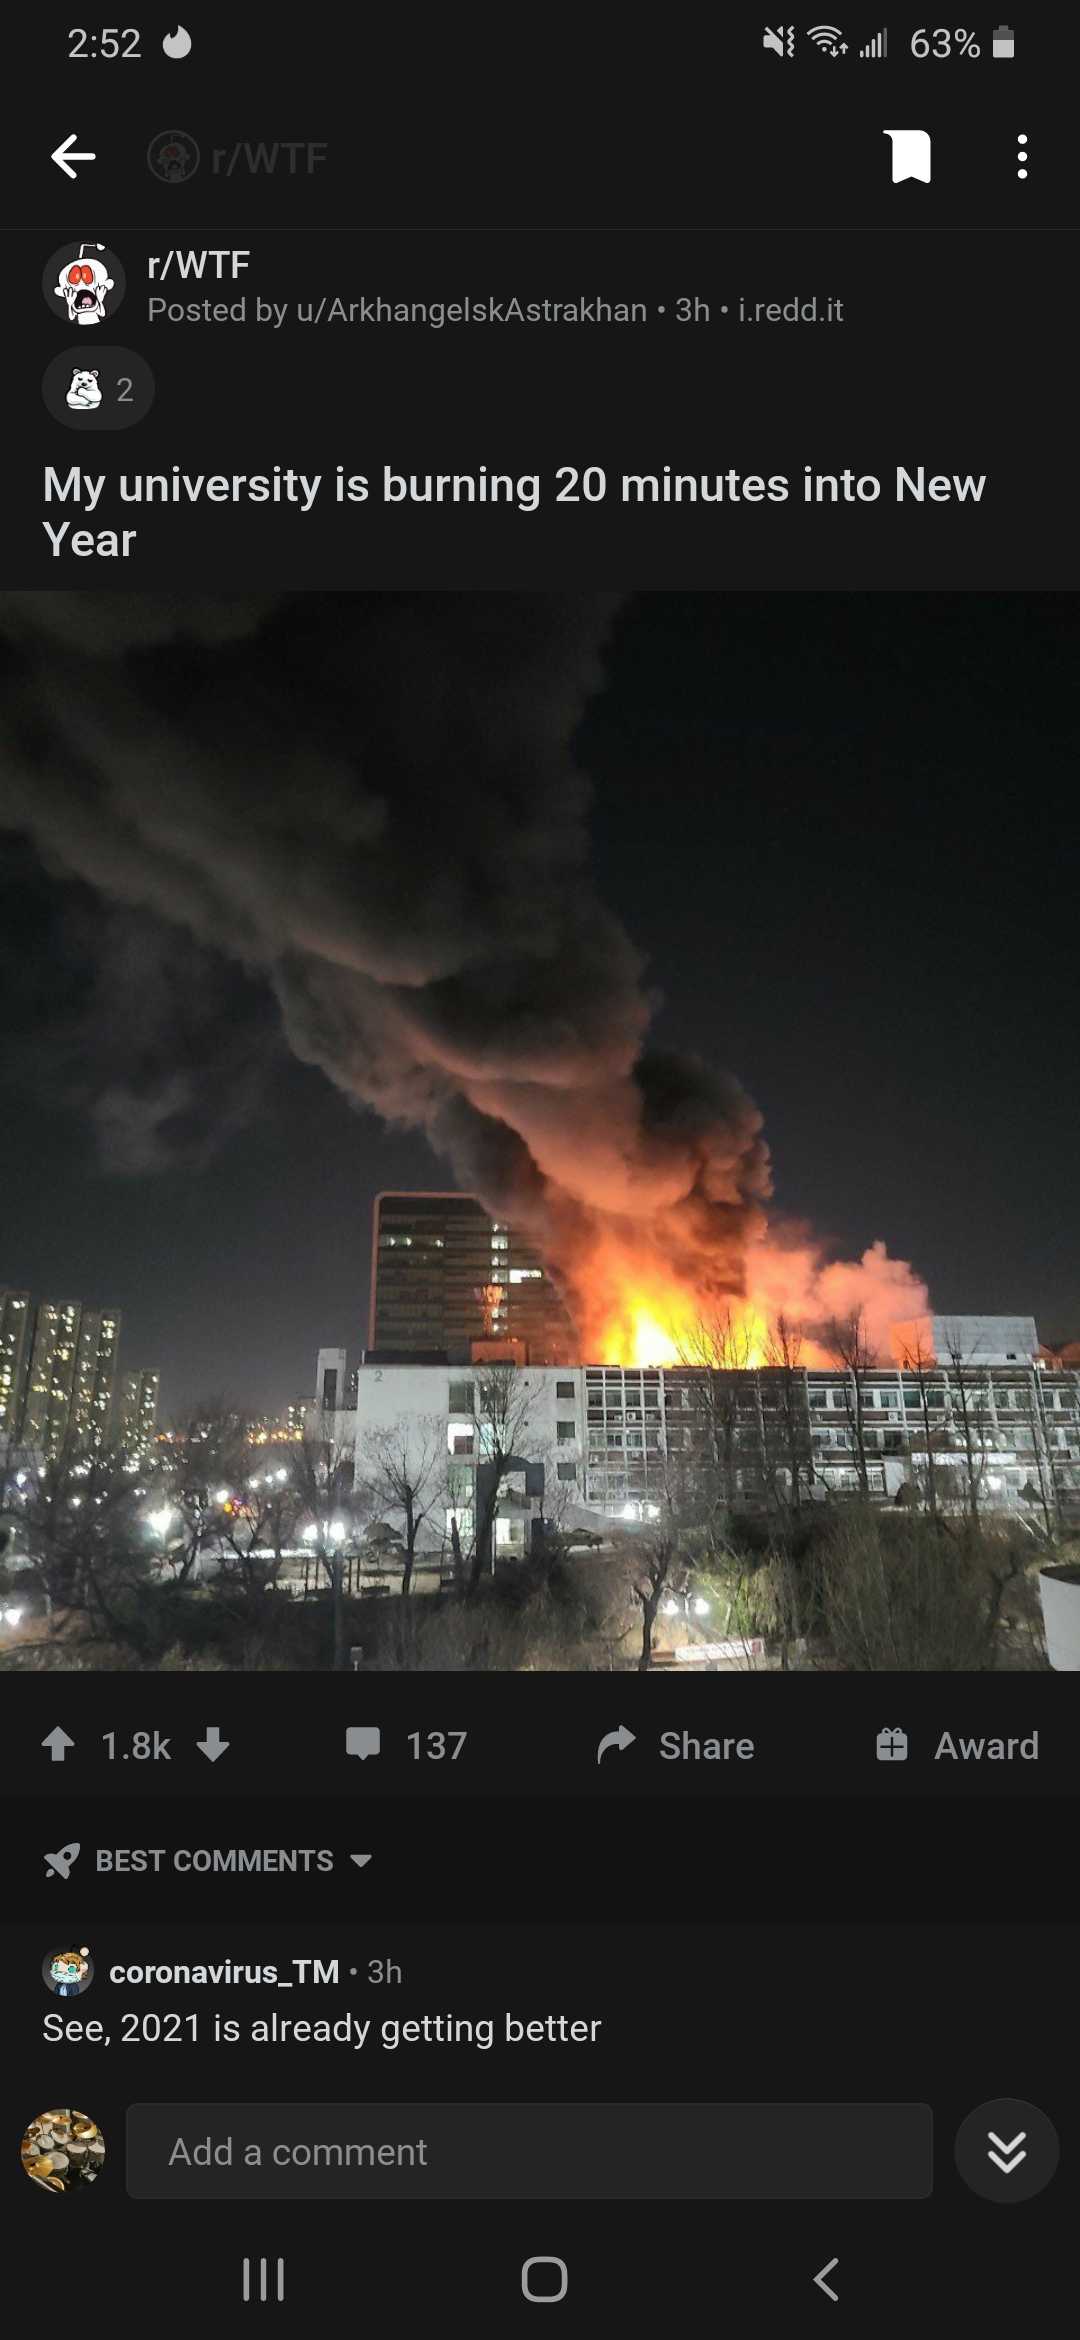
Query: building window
point(564, 1389)
point(565, 1431)
point(462, 1397)
point(568, 1472)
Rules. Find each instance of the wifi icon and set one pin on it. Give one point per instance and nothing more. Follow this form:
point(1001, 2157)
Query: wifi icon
point(828, 38)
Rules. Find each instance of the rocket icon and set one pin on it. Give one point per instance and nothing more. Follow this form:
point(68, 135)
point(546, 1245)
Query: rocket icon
point(60, 1864)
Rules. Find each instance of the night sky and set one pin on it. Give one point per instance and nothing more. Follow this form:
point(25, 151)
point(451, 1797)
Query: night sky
point(842, 830)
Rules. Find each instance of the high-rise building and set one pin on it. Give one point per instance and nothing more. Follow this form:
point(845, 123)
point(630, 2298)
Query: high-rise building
point(134, 1413)
point(50, 1386)
point(16, 1323)
point(446, 1276)
point(58, 1373)
point(95, 1375)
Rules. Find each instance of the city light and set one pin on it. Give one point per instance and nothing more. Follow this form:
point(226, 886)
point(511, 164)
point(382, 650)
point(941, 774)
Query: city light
point(222, 1495)
point(309, 1534)
point(159, 1520)
point(337, 1531)
point(13, 1616)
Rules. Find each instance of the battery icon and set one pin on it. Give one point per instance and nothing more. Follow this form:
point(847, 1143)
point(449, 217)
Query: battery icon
point(1004, 41)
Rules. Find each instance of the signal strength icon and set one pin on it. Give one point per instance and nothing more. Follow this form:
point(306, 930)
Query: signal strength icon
point(828, 38)
point(879, 46)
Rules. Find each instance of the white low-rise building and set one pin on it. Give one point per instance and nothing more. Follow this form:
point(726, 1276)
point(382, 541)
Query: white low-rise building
point(989, 1419)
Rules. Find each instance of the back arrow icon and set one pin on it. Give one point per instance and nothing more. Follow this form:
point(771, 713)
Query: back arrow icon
point(820, 2279)
point(213, 1745)
point(57, 1743)
point(67, 153)
point(622, 1739)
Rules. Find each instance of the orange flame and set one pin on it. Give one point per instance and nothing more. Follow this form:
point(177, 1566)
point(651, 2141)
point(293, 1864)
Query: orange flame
point(637, 1312)
point(659, 1329)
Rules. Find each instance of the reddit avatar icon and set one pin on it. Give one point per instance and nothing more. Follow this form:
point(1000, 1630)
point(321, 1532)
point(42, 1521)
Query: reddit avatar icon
point(68, 1972)
point(83, 285)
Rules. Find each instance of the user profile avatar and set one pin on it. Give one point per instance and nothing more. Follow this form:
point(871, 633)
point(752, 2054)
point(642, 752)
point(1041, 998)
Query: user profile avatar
point(83, 285)
point(63, 2151)
point(173, 156)
point(68, 1973)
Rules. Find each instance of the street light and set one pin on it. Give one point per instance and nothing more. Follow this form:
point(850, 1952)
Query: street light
point(309, 1534)
point(160, 1519)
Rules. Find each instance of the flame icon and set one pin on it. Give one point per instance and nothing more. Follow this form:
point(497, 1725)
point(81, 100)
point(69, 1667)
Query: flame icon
point(178, 43)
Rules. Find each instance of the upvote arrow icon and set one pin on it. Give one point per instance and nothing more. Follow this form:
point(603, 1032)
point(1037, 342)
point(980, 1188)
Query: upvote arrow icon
point(57, 1743)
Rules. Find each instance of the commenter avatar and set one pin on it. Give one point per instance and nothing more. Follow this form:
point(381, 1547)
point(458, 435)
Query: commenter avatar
point(67, 1973)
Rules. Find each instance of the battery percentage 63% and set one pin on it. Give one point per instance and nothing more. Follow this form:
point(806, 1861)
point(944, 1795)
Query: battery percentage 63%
point(939, 41)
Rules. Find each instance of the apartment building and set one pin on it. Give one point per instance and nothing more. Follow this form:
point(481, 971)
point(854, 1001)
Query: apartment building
point(135, 1411)
point(58, 1374)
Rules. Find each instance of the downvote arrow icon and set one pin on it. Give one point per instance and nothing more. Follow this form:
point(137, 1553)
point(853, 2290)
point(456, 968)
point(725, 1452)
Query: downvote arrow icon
point(213, 1745)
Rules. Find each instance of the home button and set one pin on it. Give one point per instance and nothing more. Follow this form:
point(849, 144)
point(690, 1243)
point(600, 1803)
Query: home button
point(545, 2281)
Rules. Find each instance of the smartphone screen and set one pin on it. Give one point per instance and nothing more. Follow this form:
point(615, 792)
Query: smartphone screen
point(540, 1321)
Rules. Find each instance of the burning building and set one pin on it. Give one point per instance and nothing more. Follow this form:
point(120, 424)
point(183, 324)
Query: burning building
point(373, 807)
point(986, 1423)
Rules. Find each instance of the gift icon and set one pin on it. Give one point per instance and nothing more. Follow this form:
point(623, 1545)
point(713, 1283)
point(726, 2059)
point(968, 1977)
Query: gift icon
point(892, 1746)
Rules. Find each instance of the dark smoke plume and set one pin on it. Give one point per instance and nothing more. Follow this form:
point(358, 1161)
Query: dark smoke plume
point(371, 804)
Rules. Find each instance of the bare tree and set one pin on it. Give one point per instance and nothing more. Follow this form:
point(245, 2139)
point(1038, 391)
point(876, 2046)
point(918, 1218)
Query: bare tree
point(1047, 1489)
point(503, 1399)
point(323, 1477)
point(967, 1397)
point(658, 1567)
point(849, 1346)
point(203, 1467)
point(918, 1360)
point(718, 1348)
point(791, 1447)
point(76, 1518)
point(253, 1528)
point(403, 1469)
